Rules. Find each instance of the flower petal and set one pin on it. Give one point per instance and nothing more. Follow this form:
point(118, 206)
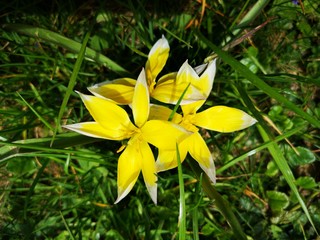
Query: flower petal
point(109, 115)
point(169, 91)
point(199, 69)
point(119, 90)
point(186, 74)
point(192, 108)
point(163, 134)
point(129, 167)
point(199, 151)
point(149, 170)
point(206, 79)
point(167, 159)
point(93, 129)
point(159, 112)
point(140, 101)
point(157, 58)
point(223, 119)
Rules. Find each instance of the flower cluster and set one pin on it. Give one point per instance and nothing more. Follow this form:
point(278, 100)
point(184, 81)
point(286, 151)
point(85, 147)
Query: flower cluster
point(151, 123)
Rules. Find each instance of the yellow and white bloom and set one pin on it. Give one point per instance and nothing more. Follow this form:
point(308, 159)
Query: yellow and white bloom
point(112, 122)
point(168, 88)
point(218, 118)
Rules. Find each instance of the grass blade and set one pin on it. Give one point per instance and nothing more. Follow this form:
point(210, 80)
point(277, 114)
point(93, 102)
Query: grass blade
point(259, 148)
point(18, 148)
point(220, 203)
point(182, 213)
point(67, 43)
point(36, 113)
point(259, 83)
point(72, 82)
point(283, 166)
point(276, 154)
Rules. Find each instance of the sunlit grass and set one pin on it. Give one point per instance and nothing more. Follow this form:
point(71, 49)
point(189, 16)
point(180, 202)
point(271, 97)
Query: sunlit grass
point(267, 175)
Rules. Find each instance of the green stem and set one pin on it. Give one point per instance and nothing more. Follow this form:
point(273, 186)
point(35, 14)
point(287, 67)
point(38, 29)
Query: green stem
point(182, 213)
point(221, 204)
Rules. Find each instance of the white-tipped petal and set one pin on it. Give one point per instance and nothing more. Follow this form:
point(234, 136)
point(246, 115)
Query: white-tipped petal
point(223, 119)
point(140, 101)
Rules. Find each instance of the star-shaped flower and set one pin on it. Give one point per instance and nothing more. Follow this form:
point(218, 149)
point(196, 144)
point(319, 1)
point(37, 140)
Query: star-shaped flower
point(112, 122)
point(168, 88)
point(218, 118)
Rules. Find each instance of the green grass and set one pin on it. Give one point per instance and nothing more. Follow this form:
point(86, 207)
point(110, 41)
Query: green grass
point(59, 185)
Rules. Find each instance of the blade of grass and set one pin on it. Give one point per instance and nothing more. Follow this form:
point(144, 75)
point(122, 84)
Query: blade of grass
point(36, 113)
point(251, 15)
point(175, 36)
point(283, 166)
point(258, 149)
point(10, 150)
point(33, 185)
point(195, 211)
point(72, 82)
point(178, 103)
point(67, 43)
point(182, 209)
point(276, 153)
point(255, 80)
point(221, 204)
point(67, 227)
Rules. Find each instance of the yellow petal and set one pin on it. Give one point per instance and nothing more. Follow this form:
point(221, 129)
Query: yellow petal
point(167, 77)
point(199, 151)
point(119, 90)
point(93, 129)
point(204, 84)
point(149, 170)
point(108, 114)
point(167, 159)
point(163, 134)
point(159, 112)
point(192, 108)
point(157, 58)
point(170, 91)
point(140, 101)
point(223, 119)
point(186, 74)
point(129, 167)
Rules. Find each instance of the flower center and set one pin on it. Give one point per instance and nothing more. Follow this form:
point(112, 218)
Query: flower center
point(136, 136)
point(188, 123)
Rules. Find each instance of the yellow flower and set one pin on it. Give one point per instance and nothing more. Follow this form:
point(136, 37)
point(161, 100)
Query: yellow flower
point(218, 118)
point(171, 86)
point(112, 122)
point(168, 88)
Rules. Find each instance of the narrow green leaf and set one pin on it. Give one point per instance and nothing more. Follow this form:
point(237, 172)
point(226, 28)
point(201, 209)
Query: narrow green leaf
point(19, 148)
point(182, 211)
point(259, 148)
point(254, 79)
point(282, 164)
point(251, 15)
point(67, 227)
point(276, 153)
point(72, 82)
point(175, 36)
point(221, 204)
point(67, 43)
point(32, 187)
point(178, 104)
point(36, 113)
